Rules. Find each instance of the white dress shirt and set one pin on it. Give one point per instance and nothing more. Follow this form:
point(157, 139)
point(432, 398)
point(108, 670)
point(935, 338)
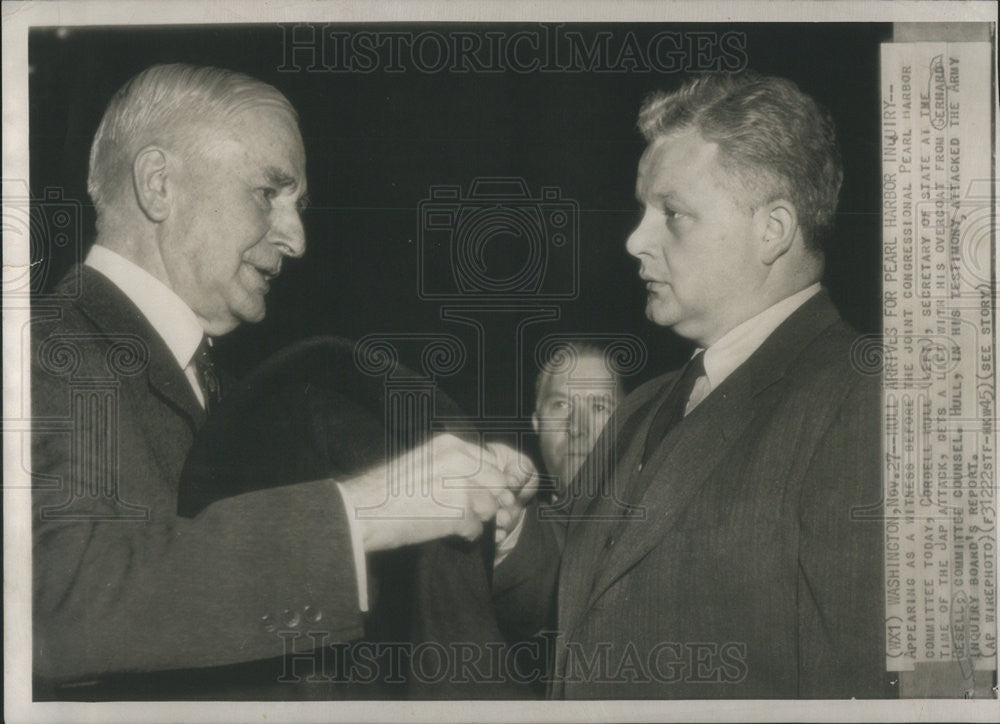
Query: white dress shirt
point(735, 346)
point(167, 313)
point(721, 360)
point(179, 328)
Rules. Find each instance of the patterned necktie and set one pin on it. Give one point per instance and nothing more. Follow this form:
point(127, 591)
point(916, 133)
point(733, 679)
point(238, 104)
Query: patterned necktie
point(671, 411)
point(208, 376)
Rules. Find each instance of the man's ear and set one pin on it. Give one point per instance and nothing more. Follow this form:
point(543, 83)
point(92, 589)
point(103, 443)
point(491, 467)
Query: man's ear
point(779, 223)
point(534, 422)
point(149, 178)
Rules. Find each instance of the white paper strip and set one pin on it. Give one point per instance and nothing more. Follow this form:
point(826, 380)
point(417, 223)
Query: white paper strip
point(939, 432)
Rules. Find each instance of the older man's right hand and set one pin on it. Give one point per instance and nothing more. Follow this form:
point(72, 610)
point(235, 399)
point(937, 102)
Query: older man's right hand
point(444, 487)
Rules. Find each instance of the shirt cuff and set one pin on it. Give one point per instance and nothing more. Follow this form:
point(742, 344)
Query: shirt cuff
point(358, 547)
point(504, 547)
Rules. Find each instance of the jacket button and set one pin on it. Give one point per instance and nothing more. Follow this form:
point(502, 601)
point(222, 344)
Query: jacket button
point(610, 542)
point(267, 624)
point(291, 618)
point(312, 615)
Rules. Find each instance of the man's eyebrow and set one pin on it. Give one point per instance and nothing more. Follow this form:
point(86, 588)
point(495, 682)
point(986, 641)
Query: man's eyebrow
point(654, 192)
point(666, 194)
point(282, 180)
point(276, 177)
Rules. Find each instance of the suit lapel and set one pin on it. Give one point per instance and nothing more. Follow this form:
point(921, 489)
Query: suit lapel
point(586, 533)
point(678, 465)
point(115, 314)
point(602, 474)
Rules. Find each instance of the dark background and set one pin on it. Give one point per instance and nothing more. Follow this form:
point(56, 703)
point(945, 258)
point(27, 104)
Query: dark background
point(377, 142)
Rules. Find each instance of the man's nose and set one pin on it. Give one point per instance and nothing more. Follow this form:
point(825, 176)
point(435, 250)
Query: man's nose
point(640, 238)
point(287, 232)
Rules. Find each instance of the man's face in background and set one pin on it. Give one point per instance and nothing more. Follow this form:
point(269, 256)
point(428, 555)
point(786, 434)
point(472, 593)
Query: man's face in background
point(571, 410)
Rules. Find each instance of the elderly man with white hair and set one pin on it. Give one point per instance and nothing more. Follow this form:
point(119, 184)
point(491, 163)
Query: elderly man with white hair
point(198, 176)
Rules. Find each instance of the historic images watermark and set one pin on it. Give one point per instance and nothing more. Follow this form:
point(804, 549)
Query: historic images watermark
point(88, 423)
point(546, 48)
point(457, 228)
point(46, 225)
point(310, 657)
point(52, 225)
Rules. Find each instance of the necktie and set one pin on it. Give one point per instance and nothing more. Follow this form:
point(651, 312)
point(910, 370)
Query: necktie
point(671, 411)
point(208, 376)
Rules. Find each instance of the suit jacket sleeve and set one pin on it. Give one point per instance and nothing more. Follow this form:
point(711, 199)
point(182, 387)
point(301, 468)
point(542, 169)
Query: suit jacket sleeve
point(241, 581)
point(525, 583)
point(841, 609)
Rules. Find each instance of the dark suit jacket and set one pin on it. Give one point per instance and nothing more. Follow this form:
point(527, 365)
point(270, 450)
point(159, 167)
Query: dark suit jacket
point(757, 571)
point(121, 582)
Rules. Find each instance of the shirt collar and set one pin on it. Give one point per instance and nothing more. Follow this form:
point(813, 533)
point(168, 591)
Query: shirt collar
point(172, 319)
point(735, 346)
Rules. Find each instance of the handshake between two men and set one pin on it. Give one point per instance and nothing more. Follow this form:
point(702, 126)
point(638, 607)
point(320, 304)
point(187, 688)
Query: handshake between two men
point(447, 486)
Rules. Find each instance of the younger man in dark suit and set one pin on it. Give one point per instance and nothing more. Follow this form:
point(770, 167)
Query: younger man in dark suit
point(723, 552)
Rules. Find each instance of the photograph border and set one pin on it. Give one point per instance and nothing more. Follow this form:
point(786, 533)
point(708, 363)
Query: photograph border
point(19, 18)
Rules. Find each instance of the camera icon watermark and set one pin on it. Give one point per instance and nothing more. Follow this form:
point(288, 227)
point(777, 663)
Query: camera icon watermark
point(51, 227)
point(498, 243)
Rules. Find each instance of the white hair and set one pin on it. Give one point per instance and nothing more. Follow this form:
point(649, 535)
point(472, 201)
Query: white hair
point(166, 104)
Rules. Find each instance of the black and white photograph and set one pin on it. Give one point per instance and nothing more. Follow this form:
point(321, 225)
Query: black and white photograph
point(500, 361)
